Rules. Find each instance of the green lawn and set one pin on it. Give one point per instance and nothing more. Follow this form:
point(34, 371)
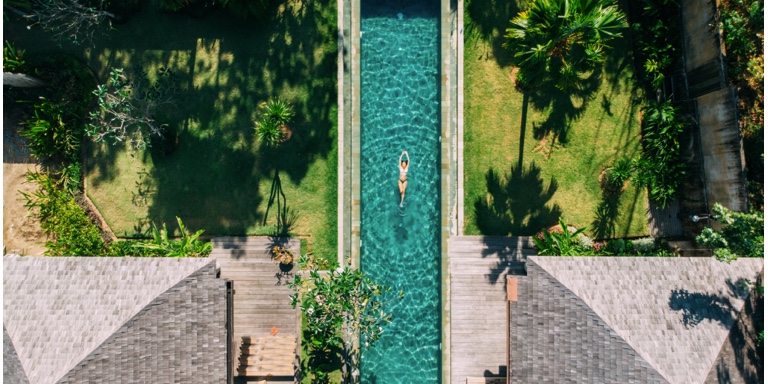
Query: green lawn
point(219, 178)
point(528, 161)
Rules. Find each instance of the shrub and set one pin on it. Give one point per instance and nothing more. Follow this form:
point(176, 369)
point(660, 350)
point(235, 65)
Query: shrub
point(620, 172)
point(660, 168)
point(13, 59)
point(644, 246)
point(271, 126)
point(187, 246)
point(741, 234)
point(128, 248)
point(71, 177)
point(560, 241)
point(655, 46)
point(49, 135)
point(584, 241)
point(616, 247)
point(71, 232)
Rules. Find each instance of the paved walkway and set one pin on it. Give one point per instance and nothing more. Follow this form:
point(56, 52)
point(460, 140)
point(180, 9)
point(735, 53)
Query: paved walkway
point(479, 266)
point(266, 327)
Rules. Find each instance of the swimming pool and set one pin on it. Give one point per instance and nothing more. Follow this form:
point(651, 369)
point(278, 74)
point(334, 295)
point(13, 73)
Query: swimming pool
point(400, 110)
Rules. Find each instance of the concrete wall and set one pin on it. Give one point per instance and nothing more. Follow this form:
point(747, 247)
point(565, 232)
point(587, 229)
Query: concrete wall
point(720, 152)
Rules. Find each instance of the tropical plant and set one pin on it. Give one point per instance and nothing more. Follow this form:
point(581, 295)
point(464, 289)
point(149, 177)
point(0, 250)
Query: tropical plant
point(269, 132)
point(128, 248)
point(741, 234)
point(13, 58)
point(69, 19)
point(187, 246)
point(127, 108)
point(620, 172)
point(70, 231)
point(739, 28)
point(271, 126)
point(71, 176)
point(560, 41)
point(340, 306)
point(655, 33)
point(660, 168)
point(559, 242)
point(49, 135)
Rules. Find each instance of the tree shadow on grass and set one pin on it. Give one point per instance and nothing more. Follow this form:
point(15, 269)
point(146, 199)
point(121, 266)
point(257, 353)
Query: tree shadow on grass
point(564, 107)
point(606, 215)
point(516, 203)
point(488, 22)
point(227, 66)
point(285, 218)
point(209, 185)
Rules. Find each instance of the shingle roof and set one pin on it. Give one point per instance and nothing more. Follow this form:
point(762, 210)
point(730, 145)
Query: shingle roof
point(115, 319)
point(672, 313)
point(554, 337)
point(13, 372)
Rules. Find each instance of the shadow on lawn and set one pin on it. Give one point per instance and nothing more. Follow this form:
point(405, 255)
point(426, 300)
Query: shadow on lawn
point(564, 107)
point(516, 203)
point(606, 215)
point(227, 67)
point(489, 22)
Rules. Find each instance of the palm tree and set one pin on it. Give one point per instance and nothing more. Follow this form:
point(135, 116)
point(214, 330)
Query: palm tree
point(559, 41)
point(272, 125)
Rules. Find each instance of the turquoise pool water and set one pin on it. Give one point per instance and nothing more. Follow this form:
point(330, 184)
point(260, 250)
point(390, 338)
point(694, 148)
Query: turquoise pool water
point(400, 108)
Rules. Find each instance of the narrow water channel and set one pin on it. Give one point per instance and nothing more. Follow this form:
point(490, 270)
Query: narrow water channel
point(400, 247)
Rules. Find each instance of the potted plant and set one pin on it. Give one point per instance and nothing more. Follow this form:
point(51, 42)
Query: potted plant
point(282, 254)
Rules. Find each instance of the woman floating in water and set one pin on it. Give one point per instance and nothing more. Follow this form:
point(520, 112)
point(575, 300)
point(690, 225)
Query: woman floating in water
point(402, 182)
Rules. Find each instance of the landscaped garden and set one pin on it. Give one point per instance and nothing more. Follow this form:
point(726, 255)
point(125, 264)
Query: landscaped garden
point(211, 170)
point(533, 156)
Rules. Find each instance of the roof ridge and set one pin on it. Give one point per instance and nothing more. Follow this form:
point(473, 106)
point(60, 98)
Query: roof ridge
point(157, 300)
point(615, 335)
point(675, 312)
point(73, 304)
point(180, 282)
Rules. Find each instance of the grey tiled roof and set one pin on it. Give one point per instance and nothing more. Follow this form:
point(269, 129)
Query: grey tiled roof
point(80, 319)
point(554, 337)
point(673, 313)
point(13, 372)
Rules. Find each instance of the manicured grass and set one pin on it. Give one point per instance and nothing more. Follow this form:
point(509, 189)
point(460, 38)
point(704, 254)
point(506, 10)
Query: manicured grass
point(219, 178)
point(528, 161)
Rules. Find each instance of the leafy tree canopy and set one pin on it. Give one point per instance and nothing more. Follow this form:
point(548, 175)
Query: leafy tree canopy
point(340, 306)
point(559, 41)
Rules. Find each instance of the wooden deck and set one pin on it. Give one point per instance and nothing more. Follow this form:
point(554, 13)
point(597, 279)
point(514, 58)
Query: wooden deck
point(479, 266)
point(265, 325)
